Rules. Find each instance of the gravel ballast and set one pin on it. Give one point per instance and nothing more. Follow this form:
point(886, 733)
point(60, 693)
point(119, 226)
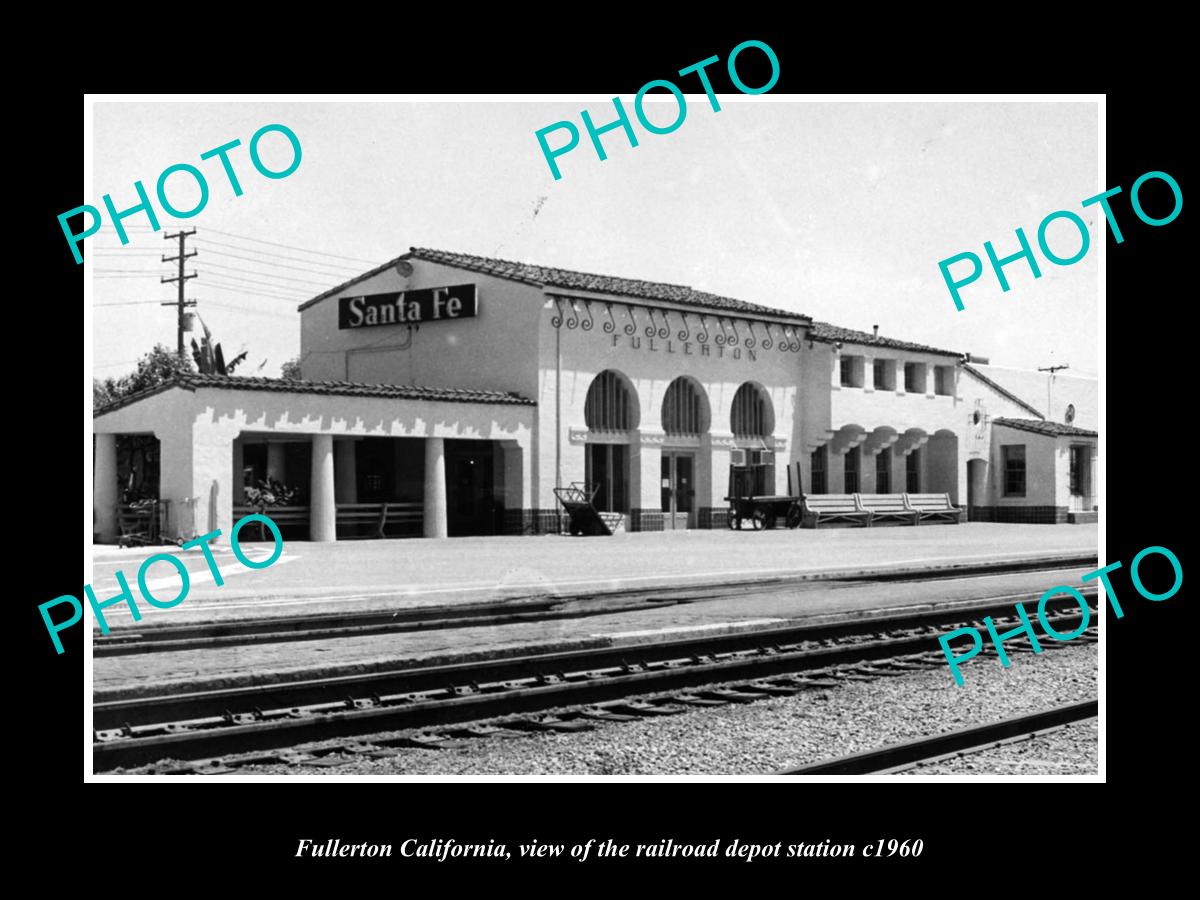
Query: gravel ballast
point(1073, 750)
point(768, 735)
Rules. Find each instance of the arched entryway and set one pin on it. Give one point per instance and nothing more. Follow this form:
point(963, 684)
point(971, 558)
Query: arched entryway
point(685, 419)
point(752, 420)
point(611, 415)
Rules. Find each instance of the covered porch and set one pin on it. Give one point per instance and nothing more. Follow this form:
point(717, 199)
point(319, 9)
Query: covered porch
point(326, 461)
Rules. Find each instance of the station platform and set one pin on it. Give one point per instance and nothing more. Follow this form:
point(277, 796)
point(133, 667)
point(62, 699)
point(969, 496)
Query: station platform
point(741, 580)
point(401, 574)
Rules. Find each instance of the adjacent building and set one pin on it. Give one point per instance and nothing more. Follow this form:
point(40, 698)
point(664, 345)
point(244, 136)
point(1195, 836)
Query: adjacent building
point(449, 394)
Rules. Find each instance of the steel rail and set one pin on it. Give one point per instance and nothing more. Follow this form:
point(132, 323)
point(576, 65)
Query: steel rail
point(895, 757)
point(212, 723)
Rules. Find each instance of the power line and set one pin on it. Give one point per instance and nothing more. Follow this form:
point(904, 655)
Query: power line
point(314, 262)
point(212, 265)
point(264, 262)
point(257, 312)
point(280, 287)
point(234, 281)
point(127, 303)
point(292, 247)
point(237, 290)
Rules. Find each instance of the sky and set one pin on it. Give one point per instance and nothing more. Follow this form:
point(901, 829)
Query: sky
point(840, 211)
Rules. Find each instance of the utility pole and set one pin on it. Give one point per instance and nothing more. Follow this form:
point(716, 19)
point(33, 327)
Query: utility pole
point(1049, 382)
point(180, 303)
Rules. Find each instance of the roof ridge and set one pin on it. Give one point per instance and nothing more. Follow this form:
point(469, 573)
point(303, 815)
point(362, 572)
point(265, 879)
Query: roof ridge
point(195, 380)
point(576, 279)
point(1003, 391)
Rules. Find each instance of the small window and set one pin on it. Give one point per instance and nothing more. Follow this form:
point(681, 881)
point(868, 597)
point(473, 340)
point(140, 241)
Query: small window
point(943, 381)
point(1013, 461)
point(914, 378)
point(847, 371)
point(884, 369)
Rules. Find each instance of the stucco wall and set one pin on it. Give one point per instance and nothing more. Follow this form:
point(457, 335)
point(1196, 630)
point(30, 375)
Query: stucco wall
point(197, 430)
point(487, 352)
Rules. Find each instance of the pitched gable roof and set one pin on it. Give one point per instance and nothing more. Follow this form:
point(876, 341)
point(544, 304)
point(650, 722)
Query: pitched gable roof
point(327, 388)
point(1039, 426)
point(824, 331)
point(548, 276)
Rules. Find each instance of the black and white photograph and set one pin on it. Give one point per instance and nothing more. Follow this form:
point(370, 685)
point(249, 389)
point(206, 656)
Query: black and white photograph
point(699, 433)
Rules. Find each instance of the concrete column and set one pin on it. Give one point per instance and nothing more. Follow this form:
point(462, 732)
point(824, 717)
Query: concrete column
point(835, 477)
point(866, 474)
point(869, 374)
point(275, 464)
point(647, 466)
point(930, 381)
point(516, 475)
point(835, 379)
point(345, 471)
point(322, 508)
point(237, 494)
point(104, 487)
point(435, 488)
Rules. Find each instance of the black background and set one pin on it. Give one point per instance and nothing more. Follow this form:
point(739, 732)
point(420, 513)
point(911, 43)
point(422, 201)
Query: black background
point(998, 835)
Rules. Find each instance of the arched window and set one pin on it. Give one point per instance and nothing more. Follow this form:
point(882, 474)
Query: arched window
point(685, 408)
point(752, 415)
point(609, 405)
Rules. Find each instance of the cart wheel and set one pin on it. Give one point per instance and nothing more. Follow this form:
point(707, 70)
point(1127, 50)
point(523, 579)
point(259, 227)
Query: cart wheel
point(759, 520)
point(795, 514)
point(734, 523)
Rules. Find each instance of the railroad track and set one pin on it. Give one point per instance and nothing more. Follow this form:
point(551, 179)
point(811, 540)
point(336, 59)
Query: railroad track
point(148, 638)
point(226, 728)
point(911, 754)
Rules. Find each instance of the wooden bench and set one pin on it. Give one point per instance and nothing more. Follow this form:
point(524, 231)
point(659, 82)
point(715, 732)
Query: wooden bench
point(137, 524)
point(888, 507)
point(819, 508)
point(936, 507)
point(379, 516)
point(280, 515)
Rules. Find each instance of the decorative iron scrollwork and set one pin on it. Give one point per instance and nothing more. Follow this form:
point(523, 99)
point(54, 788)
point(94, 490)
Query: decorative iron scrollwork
point(750, 341)
point(767, 343)
point(684, 333)
point(784, 342)
point(665, 330)
point(632, 326)
point(651, 329)
point(573, 318)
point(587, 326)
point(794, 345)
point(557, 320)
point(720, 339)
point(610, 326)
point(702, 336)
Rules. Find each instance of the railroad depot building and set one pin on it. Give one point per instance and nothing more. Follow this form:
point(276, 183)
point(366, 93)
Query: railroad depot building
point(447, 394)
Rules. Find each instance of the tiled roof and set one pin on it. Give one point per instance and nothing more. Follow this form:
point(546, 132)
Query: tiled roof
point(546, 276)
point(1050, 429)
point(326, 388)
point(1002, 391)
point(823, 331)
